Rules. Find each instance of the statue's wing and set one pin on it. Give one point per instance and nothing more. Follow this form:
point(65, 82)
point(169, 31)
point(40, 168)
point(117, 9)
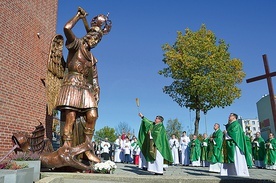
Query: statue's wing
point(55, 71)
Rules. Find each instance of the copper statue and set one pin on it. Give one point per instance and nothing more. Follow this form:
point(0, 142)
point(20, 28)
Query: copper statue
point(73, 88)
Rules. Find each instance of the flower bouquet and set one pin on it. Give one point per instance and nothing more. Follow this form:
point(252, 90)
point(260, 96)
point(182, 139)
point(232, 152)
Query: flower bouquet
point(105, 167)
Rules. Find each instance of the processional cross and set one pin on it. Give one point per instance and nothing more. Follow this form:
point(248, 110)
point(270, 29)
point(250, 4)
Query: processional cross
point(267, 76)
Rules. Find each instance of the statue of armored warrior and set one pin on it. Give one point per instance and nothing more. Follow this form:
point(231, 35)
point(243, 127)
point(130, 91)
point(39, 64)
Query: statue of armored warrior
point(78, 91)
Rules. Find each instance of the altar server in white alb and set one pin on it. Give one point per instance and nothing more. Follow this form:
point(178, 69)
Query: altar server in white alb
point(184, 142)
point(118, 145)
point(105, 145)
point(174, 145)
point(135, 151)
point(127, 148)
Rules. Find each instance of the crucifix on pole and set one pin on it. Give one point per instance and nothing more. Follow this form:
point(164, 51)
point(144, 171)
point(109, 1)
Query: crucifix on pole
point(267, 76)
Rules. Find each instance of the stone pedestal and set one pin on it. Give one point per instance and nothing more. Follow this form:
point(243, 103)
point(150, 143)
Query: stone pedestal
point(24, 175)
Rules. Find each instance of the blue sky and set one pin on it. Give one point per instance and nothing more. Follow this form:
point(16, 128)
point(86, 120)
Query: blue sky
point(130, 56)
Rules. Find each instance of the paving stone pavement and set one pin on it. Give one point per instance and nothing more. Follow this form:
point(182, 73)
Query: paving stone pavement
point(130, 173)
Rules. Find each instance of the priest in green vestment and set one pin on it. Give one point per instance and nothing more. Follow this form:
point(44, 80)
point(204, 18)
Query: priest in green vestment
point(249, 147)
point(259, 150)
point(215, 149)
point(270, 158)
point(237, 152)
point(154, 144)
point(204, 150)
point(195, 151)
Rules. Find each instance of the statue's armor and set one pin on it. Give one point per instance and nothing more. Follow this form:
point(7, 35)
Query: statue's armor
point(77, 91)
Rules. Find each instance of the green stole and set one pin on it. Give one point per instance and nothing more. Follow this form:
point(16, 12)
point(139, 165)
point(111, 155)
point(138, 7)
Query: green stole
point(234, 130)
point(148, 146)
point(259, 152)
point(270, 157)
point(249, 147)
point(204, 150)
point(215, 149)
point(194, 149)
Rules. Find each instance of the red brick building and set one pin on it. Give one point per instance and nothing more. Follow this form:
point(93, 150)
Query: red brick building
point(27, 27)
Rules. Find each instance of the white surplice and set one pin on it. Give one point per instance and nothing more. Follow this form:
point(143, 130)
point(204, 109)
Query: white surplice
point(174, 145)
point(185, 157)
point(118, 150)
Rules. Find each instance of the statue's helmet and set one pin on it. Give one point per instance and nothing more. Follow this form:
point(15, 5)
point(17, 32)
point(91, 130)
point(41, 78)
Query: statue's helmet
point(102, 22)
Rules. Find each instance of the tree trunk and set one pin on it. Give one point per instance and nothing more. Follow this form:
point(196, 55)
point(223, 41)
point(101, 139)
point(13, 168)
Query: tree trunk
point(197, 118)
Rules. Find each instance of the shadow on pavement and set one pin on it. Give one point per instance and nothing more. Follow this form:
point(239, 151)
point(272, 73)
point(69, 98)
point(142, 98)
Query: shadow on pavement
point(224, 179)
point(136, 170)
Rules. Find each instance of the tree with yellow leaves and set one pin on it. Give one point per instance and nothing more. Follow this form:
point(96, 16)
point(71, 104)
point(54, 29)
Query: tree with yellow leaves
point(204, 76)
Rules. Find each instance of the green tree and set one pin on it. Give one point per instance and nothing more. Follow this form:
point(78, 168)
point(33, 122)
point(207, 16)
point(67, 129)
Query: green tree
point(105, 132)
point(174, 127)
point(204, 76)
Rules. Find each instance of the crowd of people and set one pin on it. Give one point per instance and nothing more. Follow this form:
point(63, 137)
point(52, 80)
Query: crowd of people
point(124, 150)
point(228, 152)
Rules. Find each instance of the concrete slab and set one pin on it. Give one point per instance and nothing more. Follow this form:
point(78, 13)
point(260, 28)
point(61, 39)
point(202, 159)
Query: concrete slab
point(129, 173)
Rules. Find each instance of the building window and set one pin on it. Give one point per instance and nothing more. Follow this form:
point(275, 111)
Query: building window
point(254, 128)
point(253, 122)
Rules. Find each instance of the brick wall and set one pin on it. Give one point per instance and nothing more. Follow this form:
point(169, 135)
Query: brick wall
point(23, 59)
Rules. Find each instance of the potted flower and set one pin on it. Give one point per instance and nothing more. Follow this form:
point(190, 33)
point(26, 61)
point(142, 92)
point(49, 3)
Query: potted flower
point(105, 167)
point(16, 173)
point(29, 158)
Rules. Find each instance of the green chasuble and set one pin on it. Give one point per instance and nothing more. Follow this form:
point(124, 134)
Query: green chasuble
point(204, 149)
point(249, 147)
point(259, 152)
point(194, 150)
point(159, 141)
point(270, 158)
point(234, 130)
point(215, 148)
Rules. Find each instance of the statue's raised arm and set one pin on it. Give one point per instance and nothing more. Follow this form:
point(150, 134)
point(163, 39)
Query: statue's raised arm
point(81, 14)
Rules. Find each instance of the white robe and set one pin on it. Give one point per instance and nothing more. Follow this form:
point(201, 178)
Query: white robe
point(157, 165)
point(174, 145)
point(118, 151)
point(105, 147)
point(185, 157)
point(196, 163)
point(126, 147)
point(215, 167)
point(238, 168)
point(142, 161)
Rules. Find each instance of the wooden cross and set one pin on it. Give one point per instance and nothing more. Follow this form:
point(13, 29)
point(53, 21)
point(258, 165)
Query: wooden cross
point(267, 76)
